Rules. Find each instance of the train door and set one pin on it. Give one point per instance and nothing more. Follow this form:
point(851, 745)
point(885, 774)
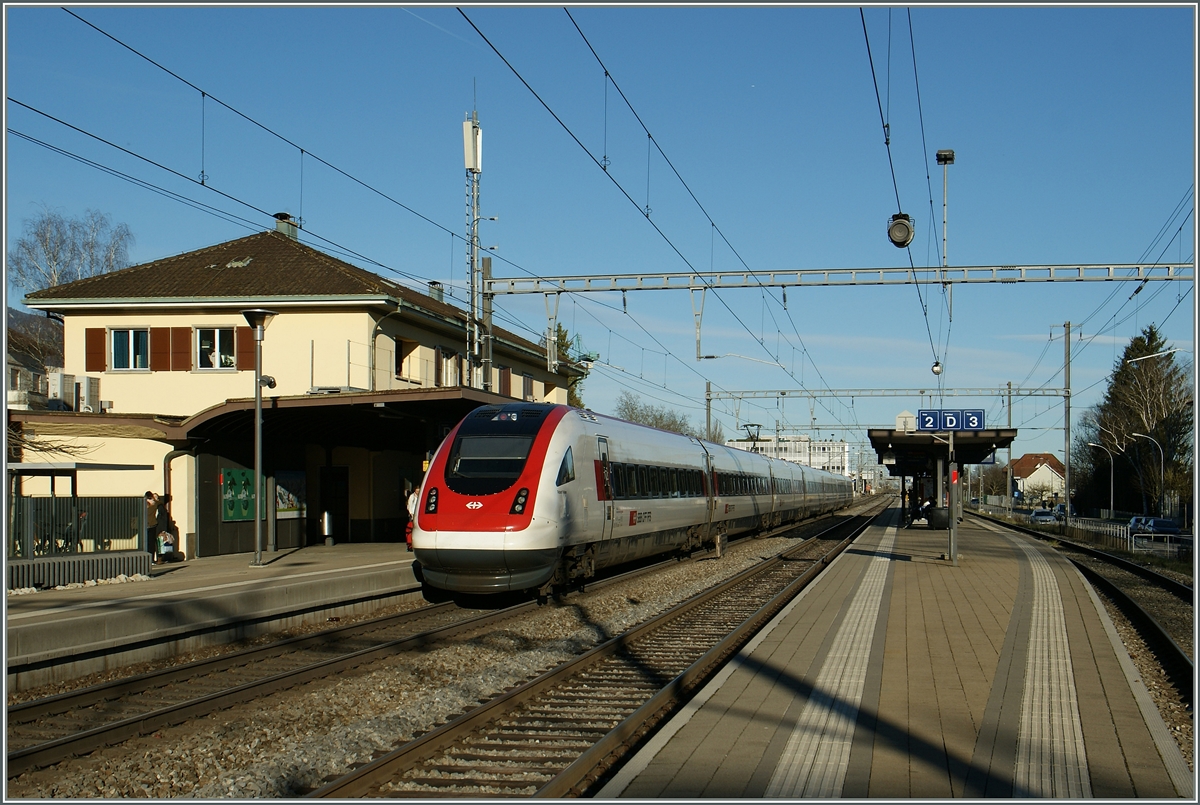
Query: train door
point(604, 488)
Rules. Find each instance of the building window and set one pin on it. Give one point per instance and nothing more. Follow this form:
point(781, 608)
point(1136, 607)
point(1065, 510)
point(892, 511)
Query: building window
point(131, 349)
point(216, 348)
point(406, 359)
point(527, 388)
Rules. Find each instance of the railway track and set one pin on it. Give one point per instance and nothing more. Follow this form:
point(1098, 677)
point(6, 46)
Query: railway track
point(559, 734)
point(1114, 576)
point(45, 731)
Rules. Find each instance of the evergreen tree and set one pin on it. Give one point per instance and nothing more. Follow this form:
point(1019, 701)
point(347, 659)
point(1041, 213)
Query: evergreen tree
point(1149, 392)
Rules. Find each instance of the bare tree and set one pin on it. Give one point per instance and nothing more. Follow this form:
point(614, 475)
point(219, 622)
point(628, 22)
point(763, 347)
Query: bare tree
point(55, 249)
point(18, 442)
point(995, 480)
point(656, 416)
point(39, 338)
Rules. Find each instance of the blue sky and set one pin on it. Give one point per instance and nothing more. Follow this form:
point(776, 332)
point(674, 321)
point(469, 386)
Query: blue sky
point(1074, 132)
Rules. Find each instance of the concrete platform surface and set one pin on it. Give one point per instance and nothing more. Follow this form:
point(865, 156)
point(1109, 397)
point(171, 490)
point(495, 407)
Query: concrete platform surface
point(57, 634)
point(899, 675)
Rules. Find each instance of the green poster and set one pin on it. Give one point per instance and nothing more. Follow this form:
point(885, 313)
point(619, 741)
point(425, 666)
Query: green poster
point(237, 495)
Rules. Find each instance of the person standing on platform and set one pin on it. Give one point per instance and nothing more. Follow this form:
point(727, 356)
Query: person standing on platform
point(411, 503)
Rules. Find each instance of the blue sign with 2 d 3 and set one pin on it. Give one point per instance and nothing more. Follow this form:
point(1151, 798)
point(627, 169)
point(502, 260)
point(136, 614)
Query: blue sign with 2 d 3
point(929, 420)
point(950, 420)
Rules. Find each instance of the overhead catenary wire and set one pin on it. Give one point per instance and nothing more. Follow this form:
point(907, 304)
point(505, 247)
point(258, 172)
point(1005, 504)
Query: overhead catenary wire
point(611, 178)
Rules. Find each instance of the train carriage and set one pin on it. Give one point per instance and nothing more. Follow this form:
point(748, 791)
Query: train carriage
point(528, 496)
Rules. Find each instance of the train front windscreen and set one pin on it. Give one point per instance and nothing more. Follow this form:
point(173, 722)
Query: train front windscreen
point(489, 453)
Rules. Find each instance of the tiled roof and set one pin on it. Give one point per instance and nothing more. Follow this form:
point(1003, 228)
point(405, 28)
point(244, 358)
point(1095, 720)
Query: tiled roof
point(1029, 463)
point(262, 265)
point(254, 268)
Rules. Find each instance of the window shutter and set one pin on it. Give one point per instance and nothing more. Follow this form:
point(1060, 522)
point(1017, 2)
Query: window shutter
point(181, 349)
point(95, 348)
point(437, 366)
point(245, 348)
point(506, 382)
point(160, 349)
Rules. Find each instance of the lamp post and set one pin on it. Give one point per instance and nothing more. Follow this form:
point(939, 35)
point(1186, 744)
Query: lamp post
point(258, 319)
point(1110, 475)
point(1162, 469)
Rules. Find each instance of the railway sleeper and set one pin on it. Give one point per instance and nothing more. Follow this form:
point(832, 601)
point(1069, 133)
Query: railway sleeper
point(459, 753)
point(444, 786)
point(498, 770)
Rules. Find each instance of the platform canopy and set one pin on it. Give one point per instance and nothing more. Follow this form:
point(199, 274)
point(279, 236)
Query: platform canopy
point(914, 453)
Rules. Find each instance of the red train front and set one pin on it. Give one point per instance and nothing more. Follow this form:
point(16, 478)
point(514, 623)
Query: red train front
point(476, 528)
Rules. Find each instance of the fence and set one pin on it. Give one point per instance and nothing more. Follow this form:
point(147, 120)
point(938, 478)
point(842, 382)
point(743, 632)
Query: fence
point(56, 526)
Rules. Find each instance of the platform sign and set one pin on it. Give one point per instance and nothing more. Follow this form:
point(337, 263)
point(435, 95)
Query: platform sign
point(939, 420)
point(929, 420)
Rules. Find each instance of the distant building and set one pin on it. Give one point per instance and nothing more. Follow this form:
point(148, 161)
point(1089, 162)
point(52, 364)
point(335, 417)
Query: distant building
point(823, 454)
point(1039, 476)
point(25, 382)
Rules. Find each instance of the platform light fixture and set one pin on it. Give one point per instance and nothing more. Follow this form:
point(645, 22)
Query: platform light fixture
point(258, 319)
point(900, 230)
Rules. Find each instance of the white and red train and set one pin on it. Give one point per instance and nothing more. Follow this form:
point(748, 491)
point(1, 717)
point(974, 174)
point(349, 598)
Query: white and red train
point(526, 496)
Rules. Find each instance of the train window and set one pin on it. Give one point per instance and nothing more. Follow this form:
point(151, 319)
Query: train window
point(566, 473)
point(643, 481)
point(618, 480)
point(655, 486)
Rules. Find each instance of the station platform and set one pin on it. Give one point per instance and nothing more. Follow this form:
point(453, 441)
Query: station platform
point(899, 675)
point(53, 635)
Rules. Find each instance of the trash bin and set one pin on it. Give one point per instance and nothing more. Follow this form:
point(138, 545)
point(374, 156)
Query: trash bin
point(938, 517)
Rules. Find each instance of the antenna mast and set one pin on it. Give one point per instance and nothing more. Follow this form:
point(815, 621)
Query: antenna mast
point(473, 161)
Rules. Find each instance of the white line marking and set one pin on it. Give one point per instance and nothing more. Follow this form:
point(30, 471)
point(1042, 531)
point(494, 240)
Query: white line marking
point(1051, 759)
point(814, 762)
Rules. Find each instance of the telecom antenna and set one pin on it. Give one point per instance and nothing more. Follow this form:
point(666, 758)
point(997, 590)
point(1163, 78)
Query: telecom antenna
point(473, 161)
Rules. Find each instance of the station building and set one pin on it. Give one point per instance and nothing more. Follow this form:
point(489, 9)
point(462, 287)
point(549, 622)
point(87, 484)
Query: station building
point(369, 376)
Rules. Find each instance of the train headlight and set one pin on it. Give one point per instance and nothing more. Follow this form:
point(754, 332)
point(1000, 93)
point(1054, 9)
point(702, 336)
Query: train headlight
point(519, 501)
point(431, 501)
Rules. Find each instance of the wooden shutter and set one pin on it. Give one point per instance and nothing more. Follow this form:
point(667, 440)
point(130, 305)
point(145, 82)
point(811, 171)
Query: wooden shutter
point(244, 338)
point(181, 349)
point(437, 366)
point(505, 381)
point(95, 348)
point(160, 349)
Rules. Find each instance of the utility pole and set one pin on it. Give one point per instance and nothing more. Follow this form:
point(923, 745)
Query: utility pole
point(487, 324)
point(707, 409)
point(1067, 419)
point(1008, 470)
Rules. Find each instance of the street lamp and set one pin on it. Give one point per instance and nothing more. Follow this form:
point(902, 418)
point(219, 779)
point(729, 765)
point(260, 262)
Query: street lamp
point(1162, 469)
point(1110, 475)
point(258, 319)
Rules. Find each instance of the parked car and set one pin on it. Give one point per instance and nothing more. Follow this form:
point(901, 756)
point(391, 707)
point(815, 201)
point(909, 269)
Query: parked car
point(1042, 517)
point(1161, 525)
point(1060, 511)
point(1137, 525)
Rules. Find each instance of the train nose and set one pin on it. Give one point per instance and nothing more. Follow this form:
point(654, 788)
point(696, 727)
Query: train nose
point(482, 562)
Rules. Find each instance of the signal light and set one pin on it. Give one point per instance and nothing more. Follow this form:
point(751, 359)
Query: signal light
point(431, 501)
point(519, 502)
